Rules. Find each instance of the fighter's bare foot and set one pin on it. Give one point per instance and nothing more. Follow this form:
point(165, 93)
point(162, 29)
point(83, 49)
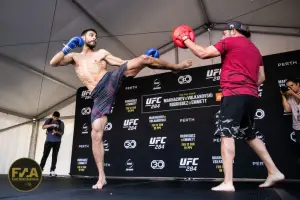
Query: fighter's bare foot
point(99, 185)
point(272, 179)
point(224, 187)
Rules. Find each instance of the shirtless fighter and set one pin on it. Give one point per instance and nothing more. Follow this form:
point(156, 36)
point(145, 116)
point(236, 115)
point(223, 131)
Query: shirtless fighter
point(91, 69)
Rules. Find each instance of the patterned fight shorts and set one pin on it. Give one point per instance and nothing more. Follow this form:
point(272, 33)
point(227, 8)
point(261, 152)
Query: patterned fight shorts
point(236, 118)
point(104, 93)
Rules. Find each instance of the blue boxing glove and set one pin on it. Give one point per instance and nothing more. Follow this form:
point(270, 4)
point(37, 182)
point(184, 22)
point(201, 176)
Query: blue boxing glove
point(72, 44)
point(152, 52)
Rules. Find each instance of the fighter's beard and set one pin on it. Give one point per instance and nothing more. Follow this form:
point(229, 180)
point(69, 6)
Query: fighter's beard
point(90, 46)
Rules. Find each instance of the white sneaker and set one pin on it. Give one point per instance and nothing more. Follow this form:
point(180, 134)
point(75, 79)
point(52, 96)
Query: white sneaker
point(52, 173)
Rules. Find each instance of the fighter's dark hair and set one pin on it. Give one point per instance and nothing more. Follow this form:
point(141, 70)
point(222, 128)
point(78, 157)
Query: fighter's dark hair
point(87, 30)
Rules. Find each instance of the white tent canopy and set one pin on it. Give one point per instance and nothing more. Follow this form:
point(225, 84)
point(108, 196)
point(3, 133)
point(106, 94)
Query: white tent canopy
point(32, 31)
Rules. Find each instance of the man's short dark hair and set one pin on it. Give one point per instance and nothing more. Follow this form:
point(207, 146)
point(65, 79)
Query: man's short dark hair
point(294, 80)
point(56, 114)
point(87, 30)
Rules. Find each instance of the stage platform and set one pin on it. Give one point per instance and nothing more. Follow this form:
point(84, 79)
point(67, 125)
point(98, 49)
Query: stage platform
point(78, 188)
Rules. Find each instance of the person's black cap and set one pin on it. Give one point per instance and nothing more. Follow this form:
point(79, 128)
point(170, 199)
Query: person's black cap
point(243, 29)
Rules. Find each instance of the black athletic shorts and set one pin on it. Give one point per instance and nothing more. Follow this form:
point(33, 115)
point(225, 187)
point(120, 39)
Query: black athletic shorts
point(236, 118)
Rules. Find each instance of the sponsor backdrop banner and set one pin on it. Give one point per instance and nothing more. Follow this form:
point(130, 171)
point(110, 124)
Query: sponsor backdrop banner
point(163, 125)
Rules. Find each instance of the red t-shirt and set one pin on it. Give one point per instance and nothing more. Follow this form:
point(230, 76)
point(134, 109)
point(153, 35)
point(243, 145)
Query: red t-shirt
point(240, 65)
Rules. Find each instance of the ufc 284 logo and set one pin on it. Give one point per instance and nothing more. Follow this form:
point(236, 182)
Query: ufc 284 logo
point(153, 102)
point(157, 142)
point(213, 74)
point(85, 94)
point(189, 164)
point(130, 124)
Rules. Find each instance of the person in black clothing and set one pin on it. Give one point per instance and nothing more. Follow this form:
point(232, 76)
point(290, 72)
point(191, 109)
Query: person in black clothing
point(55, 130)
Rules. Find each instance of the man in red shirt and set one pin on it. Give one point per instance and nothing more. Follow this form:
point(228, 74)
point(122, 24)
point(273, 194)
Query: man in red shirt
point(242, 73)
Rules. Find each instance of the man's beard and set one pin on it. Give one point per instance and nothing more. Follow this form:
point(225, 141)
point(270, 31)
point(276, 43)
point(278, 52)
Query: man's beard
point(91, 46)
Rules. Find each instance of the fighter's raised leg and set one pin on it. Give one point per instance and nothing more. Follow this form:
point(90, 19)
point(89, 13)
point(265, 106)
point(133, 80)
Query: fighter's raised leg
point(135, 65)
